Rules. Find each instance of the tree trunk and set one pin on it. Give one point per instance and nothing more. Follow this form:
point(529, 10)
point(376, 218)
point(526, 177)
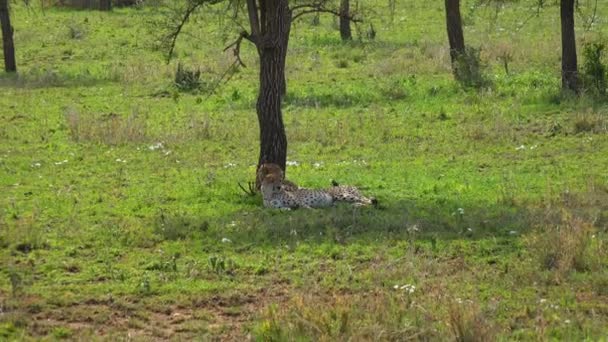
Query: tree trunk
point(283, 85)
point(569, 64)
point(345, 32)
point(10, 65)
point(105, 5)
point(454, 26)
point(272, 49)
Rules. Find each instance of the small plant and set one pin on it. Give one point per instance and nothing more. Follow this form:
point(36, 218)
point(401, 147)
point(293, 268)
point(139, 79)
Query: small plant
point(395, 90)
point(16, 283)
point(219, 265)
point(187, 80)
point(62, 333)
point(177, 226)
point(145, 286)
point(75, 31)
point(505, 57)
point(594, 70)
point(342, 64)
point(168, 264)
point(468, 69)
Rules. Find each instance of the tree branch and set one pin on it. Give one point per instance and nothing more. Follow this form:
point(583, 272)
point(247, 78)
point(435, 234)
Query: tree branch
point(176, 22)
point(319, 7)
point(254, 20)
point(237, 47)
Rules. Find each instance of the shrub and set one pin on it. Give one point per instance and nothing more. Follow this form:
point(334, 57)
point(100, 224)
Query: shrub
point(187, 80)
point(594, 71)
point(468, 69)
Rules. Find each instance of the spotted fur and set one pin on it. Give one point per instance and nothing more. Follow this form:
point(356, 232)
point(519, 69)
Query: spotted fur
point(275, 196)
point(278, 192)
point(349, 194)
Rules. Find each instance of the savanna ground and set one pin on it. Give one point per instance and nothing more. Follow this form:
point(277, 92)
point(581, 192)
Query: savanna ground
point(121, 218)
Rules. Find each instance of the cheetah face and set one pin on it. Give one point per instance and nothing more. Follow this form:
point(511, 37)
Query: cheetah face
point(271, 186)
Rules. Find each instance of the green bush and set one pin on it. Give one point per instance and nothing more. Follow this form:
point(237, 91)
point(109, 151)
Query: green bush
point(469, 71)
point(594, 70)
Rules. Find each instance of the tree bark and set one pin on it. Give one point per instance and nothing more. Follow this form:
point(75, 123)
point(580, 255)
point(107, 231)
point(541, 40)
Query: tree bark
point(275, 22)
point(345, 31)
point(10, 65)
point(283, 85)
point(569, 64)
point(454, 27)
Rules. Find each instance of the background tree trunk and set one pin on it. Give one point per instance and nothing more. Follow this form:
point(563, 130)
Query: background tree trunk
point(105, 5)
point(10, 65)
point(454, 26)
point(345, 32)
point(272, 49)
point(569, 64)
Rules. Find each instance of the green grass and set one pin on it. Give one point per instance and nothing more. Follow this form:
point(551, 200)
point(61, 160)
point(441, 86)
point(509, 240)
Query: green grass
point(120, 213)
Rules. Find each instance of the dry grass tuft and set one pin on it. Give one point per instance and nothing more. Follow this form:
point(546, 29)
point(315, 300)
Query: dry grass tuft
point(569, 246)
point(111, 129)
point(591, 123)
point(370, 317)
point(467, 323)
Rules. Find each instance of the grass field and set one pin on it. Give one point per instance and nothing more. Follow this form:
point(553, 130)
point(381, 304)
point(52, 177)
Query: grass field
point(121, 217)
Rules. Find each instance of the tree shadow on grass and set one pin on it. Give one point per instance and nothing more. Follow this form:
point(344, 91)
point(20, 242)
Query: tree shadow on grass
point(430, 219)
point(34, 79)
point(399, 220)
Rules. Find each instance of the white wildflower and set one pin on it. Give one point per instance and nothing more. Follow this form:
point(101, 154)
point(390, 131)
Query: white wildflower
point(409, 288)
point(316, 165)
point(292, 163)
point(154, 147)
point(460, 211)
point(226, 240)
point(513, 232)
point(229, 165)
point(520, 147)
point(61, 162)
point(396, 287)
point(567, 321)
point(36, 165)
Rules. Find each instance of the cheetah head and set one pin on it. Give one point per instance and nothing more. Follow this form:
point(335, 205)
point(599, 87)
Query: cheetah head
point(267, 169)
point(270, 185)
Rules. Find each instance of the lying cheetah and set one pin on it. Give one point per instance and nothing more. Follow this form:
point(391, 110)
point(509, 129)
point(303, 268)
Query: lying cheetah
point(277, 195)
point(349, 194)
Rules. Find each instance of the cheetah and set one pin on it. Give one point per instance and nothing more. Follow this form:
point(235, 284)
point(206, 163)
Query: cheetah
point(349, 194)
point(275, 196)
